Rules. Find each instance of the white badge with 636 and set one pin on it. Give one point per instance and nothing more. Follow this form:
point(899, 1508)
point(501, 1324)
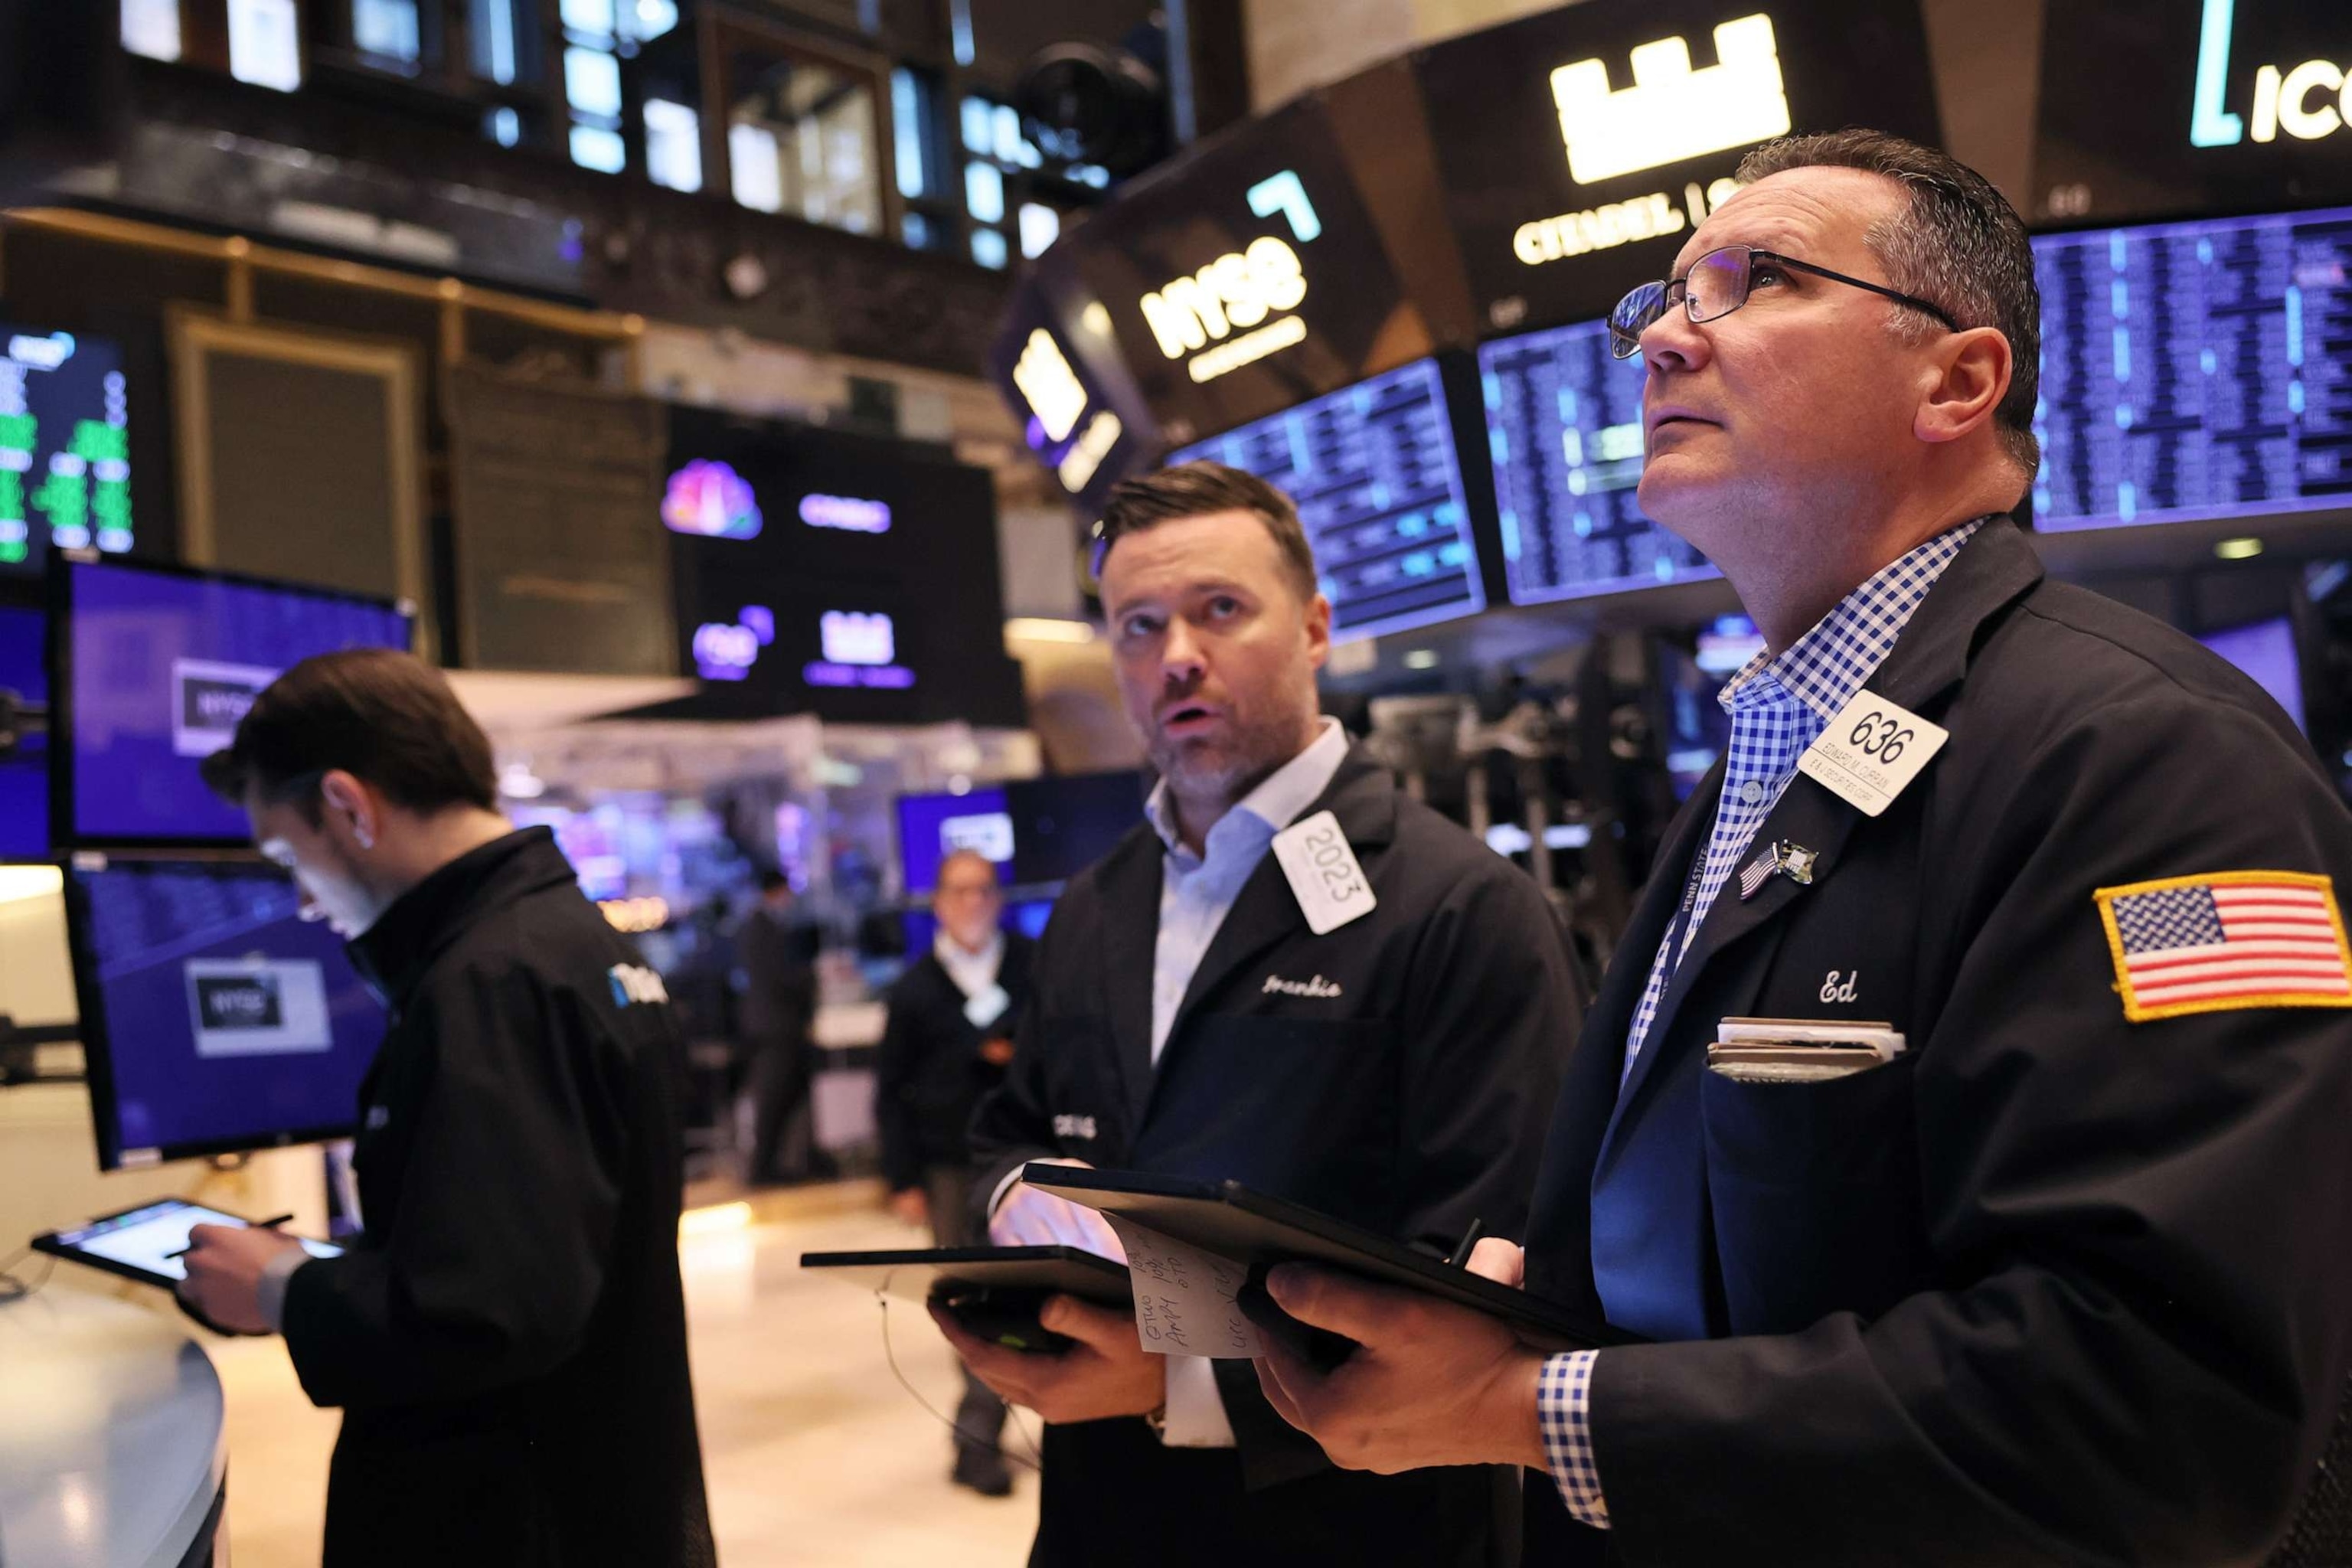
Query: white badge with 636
point(1330, 888)
point(1871, 752)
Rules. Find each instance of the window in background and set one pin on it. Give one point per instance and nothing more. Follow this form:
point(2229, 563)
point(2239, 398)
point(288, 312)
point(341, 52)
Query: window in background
point(151, 27)
point(805, 136)
point(988, 248)
point(501, 39)
point(1006, 192)
point(592, 84)
point(926, 184)
point(673, 145)
point(389, 32)
point(265, 44)
point(1040, 226)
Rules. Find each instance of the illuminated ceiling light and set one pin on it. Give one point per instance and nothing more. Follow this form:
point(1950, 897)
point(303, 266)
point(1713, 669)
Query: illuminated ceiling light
point(1421, 658)
point(1041, 628)
point(1096, 319)
point(21, 882)
point(517, 782)
point(2244, 549)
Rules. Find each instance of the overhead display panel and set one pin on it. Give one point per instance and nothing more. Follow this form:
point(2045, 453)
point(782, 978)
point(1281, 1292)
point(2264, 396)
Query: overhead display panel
point(843, 576)
point(1580, 147)
point(65, 446)
point(1247, 277)
point(1564, 432)
point(1057, 365)
point(2179, 108)
point(2195, 371)
point(1378, 482)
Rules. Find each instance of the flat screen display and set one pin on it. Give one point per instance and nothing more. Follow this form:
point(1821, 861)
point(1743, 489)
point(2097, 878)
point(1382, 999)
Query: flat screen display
point(25, 769)
point(2171, 109)
point(214, 1015)
point(2195, 371)
point(1063, 824)
point(1564, 432)
point(158, 666)
point(1378, 483)
point(933, 826)
point(2265, 651)
point(65, 446)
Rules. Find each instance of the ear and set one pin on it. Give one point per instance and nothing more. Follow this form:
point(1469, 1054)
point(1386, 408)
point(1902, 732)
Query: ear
point(1318, 630)
point(347, 798)
point(1972, 374)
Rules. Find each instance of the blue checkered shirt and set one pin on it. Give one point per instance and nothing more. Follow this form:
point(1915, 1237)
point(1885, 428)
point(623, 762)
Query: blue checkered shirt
point(1778, 703)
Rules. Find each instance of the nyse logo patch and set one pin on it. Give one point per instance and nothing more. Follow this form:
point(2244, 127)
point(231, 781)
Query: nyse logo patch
point(239, 1002)
point(209, 699)
point(1318, 987)
point(634, 983)
point(1075, 1127)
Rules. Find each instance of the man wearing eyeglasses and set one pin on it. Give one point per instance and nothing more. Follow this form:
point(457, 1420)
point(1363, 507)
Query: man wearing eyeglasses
point(2014, 1233)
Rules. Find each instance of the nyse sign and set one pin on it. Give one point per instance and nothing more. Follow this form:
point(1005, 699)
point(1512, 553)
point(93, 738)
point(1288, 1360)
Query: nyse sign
point(1248, 292)
point(2309, 100)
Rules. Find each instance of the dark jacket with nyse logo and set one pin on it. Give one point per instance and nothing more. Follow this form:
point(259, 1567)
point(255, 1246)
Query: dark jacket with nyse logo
point(507, 1340)
point(929, 1073)
point(2052, 1285)
point(1395, 1072)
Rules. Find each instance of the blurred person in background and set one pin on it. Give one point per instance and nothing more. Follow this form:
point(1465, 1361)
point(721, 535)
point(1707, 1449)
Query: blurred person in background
point(778, 957)
point(949, 1038)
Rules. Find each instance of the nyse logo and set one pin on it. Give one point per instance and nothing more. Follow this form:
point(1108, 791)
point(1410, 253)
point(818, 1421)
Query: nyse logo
point(2308, 102)
point(988, 834)
point(212, 699)
point(1246, 290)
point(238, 1001)
point(1045, 377)
point(1672, 113)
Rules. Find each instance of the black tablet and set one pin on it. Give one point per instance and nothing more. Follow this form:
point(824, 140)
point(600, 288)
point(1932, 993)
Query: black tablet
point(919, 1274)
point(1256, 1231)
point(143, 1243)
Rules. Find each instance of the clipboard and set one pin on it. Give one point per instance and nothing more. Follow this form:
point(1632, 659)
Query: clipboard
point(1251, 1228)
point(919, 1274)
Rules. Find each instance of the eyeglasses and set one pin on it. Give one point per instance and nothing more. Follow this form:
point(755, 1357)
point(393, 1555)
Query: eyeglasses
point(1718, 284)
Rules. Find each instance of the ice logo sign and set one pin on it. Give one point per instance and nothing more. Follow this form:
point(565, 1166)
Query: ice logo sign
point(2308, 102)
point(258, 1006)
point(725, 650)
point(208, 699)
point(711, 499)
point(1673, 114)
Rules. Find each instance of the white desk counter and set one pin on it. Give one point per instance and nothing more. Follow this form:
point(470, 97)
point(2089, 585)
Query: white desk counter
point(113, 1449)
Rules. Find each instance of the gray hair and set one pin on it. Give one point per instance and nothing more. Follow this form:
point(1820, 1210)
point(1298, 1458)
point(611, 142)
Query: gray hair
point(1958, 244)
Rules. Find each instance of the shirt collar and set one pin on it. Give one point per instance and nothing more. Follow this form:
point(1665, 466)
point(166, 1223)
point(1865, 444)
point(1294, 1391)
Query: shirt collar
point(1277, 801)
point(953, 956)
point(1823, 668)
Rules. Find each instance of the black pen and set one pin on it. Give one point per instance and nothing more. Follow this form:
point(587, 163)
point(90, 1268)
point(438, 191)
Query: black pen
point(271, 1224)
point(1469, 1242)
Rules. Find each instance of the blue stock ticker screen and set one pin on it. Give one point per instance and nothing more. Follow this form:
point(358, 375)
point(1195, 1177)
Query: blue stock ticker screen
point(1564, 429)
point(1373, 470)
point(2195, 371)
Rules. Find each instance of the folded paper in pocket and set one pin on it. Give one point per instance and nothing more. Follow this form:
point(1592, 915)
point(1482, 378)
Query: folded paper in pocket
point(1799, 1050)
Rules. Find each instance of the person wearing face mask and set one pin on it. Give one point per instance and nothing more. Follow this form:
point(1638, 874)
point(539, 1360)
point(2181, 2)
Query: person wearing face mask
point(506, 1340)
point(945, 1043)
point(2046, 1264)
point(1292, 975)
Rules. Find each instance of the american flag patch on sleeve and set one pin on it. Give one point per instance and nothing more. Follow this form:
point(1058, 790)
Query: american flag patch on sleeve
point(2234, 939)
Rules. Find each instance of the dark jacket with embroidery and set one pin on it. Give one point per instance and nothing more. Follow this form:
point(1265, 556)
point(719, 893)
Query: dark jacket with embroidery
point(1395, 1071)
point(507, 1340)
point(2053, 1287)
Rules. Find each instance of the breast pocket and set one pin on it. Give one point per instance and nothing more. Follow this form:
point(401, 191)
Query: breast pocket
point(1814, 1192)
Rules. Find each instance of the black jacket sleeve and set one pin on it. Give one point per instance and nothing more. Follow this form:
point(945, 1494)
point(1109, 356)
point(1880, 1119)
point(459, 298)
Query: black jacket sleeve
point(2150, 1303)
point(1012, 1124)
point(895, 1067)
point(489, 1272)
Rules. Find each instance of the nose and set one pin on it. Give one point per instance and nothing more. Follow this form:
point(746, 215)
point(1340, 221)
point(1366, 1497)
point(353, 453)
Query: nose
point(1181, 655)
point(1673, 341)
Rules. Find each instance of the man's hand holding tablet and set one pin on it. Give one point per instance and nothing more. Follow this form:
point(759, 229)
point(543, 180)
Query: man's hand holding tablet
point(224, 1264)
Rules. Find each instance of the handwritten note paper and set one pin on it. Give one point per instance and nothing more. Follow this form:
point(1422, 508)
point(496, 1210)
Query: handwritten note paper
point(1185, 1297)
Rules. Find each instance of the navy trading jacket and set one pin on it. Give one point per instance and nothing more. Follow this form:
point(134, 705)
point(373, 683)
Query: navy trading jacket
point(1395, 1072)
point(2068, 1282)
point(507, 1340)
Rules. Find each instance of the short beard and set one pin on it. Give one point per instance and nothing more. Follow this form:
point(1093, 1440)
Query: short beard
point(1256, 751)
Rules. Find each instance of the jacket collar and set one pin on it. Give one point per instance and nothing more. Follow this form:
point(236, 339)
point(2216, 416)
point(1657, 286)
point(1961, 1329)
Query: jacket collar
point(1994, 569)
point(393, 955)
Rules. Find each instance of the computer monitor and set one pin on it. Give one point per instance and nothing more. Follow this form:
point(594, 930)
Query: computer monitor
point(65, 446)
point(213, 1018)
point(2191, 372)
point(155, 665)
point(2265, 651)
point(1373, 471)
point(933, 826)
point(1063, 824)
point(24, 766)
point(1564, 434)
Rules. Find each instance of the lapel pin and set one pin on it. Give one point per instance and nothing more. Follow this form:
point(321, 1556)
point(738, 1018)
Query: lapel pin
point(1793, 862)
